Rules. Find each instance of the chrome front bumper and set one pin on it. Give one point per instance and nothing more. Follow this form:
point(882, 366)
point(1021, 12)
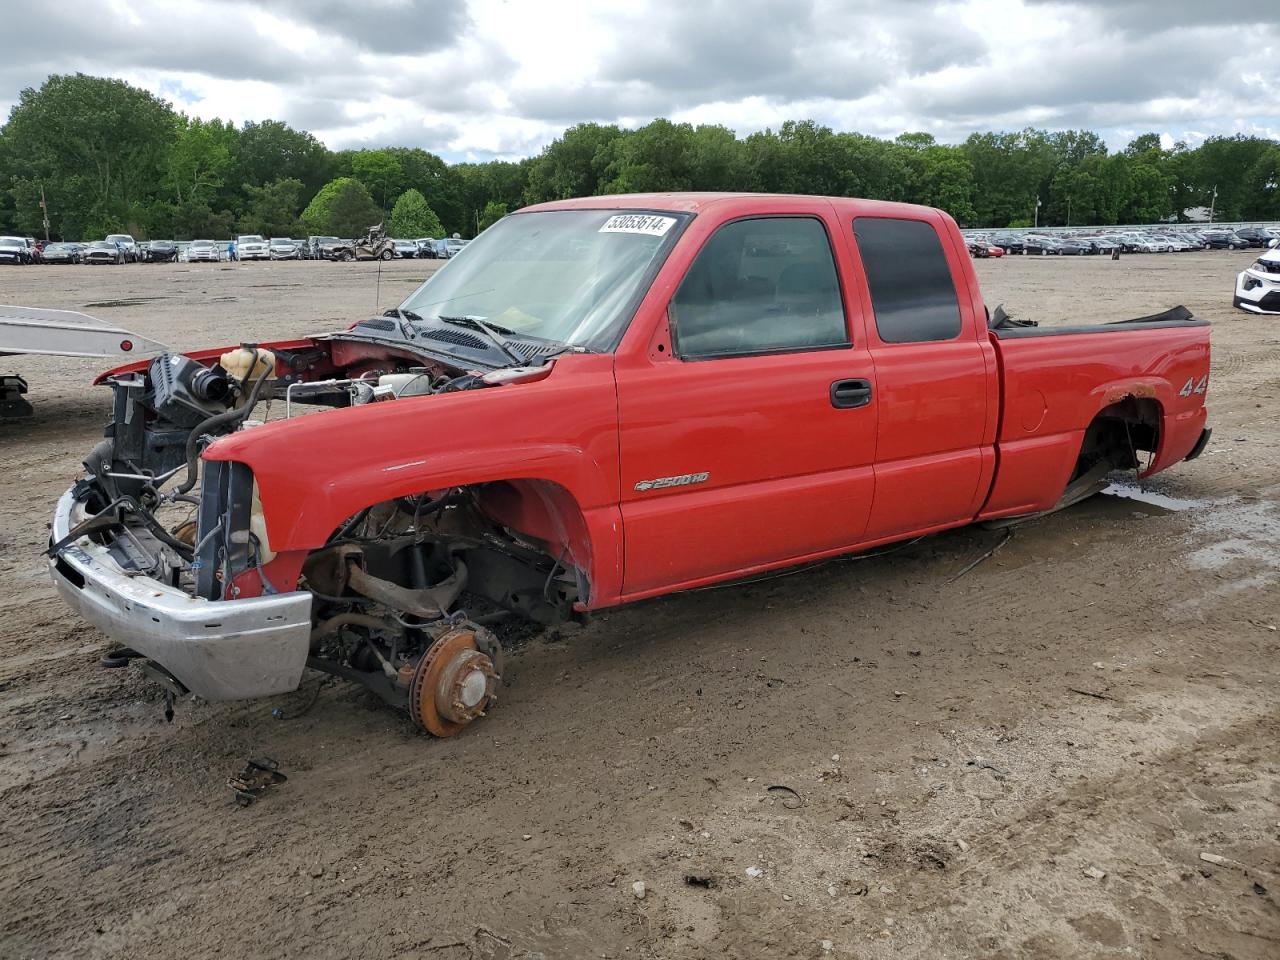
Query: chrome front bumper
point(220, 650)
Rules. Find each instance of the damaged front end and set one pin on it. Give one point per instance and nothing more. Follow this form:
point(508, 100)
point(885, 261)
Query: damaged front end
point(169, 552)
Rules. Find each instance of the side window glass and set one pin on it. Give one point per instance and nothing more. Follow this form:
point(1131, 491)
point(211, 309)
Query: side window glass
point(912, 293)
point(760, 286)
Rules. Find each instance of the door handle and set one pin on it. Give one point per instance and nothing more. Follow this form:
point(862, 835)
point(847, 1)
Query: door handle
point(847, 394)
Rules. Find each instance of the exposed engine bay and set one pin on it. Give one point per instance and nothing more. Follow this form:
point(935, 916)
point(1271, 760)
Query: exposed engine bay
point(404, 593)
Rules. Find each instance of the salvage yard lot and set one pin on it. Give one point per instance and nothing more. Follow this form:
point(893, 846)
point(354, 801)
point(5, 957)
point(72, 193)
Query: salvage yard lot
point(967, 751)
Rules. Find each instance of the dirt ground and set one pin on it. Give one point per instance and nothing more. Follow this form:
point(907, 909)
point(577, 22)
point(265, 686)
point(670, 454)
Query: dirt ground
point(1027, 761)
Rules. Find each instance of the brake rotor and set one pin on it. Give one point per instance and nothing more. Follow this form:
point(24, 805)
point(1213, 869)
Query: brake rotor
point(454, 684)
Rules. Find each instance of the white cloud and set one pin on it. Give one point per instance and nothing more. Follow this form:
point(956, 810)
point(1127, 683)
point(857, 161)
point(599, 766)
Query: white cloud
point(503, 77)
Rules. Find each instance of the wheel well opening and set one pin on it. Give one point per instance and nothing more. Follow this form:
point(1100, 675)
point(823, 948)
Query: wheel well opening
point(521, 544)
point(1120, 434)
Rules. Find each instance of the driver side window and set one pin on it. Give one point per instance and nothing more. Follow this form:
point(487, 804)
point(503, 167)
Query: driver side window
point(765, 285)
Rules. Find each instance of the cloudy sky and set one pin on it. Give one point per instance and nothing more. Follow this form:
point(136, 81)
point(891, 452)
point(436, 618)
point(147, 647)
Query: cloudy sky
point(474, 79)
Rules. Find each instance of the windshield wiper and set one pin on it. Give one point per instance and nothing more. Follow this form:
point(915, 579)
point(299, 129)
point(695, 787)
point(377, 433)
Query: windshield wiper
point(403, 314)
point(491, 330)
point(565, 348)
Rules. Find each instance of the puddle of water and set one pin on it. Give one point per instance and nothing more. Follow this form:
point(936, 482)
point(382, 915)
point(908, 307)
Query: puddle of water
point(1160, 501)
point(1239, 542)
point(1243, 531)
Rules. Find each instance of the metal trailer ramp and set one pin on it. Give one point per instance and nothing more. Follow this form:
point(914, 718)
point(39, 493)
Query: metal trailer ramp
point(59, 333)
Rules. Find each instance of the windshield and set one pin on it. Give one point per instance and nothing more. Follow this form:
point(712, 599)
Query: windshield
point(564, 275)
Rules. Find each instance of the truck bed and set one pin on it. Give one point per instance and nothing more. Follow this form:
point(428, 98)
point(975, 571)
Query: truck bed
point(1055, 380)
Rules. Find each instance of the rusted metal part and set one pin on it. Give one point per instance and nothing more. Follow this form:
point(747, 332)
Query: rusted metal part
point(338, 568)
point(326, 570)
point(328, 628)
point(427, 602)
point(186, 532)
point(453, 685)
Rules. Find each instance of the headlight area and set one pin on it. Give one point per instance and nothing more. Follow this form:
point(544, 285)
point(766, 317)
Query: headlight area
point(137, 497)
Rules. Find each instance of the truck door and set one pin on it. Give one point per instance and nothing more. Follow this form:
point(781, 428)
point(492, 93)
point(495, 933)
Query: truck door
point(751, 440)
point(932, 379)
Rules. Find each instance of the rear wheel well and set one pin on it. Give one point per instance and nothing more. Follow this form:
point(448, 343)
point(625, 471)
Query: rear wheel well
point(1120, 433)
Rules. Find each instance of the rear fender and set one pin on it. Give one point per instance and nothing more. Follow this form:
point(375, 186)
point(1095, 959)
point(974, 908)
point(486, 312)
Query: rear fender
point(1179, 418)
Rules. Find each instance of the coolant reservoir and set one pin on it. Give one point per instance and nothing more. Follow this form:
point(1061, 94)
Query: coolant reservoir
point(258, 527)
point(240, 364)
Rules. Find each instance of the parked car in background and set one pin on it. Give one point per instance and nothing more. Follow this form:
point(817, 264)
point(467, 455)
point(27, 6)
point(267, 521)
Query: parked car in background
point(450, 247)
point(14, 250)
point(335, 248)
point(426, 248)
point(1224, 240)
point(127, 245)
point(104, 251)
point(1258, 285)
point(982, 249)
point(250, 246)
point(1009, 243)
point(408, 249)
point(162, 251)
point(1071, 247)
point(282, 248)
point(202, 251)
point(61, 253)
point(1256, 236)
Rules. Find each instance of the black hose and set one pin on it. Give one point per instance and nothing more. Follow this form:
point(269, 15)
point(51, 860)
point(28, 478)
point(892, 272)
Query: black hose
point(218, 420)
point(267, 586)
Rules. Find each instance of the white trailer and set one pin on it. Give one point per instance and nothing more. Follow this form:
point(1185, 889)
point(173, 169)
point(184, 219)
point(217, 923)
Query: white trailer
point(59, 333)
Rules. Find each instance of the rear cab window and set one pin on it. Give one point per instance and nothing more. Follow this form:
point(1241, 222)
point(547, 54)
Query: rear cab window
point(913, 294)
point(760, 285)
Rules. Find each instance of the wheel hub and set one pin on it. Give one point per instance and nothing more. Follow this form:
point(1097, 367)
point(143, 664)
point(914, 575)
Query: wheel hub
point(453, 684)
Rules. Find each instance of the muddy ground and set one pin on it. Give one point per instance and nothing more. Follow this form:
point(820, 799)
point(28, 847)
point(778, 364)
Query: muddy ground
point(1027, 761)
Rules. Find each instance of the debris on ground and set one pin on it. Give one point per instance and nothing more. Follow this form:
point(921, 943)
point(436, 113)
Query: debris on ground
point(786, 795)
point(1093, 873)
point(255, 779)
point(754, 872)
point(638, 888)
point(704, 880)
point(1091, 693)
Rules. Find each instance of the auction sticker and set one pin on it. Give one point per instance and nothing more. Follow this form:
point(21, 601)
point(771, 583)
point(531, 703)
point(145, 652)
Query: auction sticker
point(645, 223)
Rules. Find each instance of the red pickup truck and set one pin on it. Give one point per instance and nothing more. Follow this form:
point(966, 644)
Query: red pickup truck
point(598, 400)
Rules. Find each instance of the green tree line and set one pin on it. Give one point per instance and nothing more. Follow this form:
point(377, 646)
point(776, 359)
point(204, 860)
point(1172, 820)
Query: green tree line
point(110, 157)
